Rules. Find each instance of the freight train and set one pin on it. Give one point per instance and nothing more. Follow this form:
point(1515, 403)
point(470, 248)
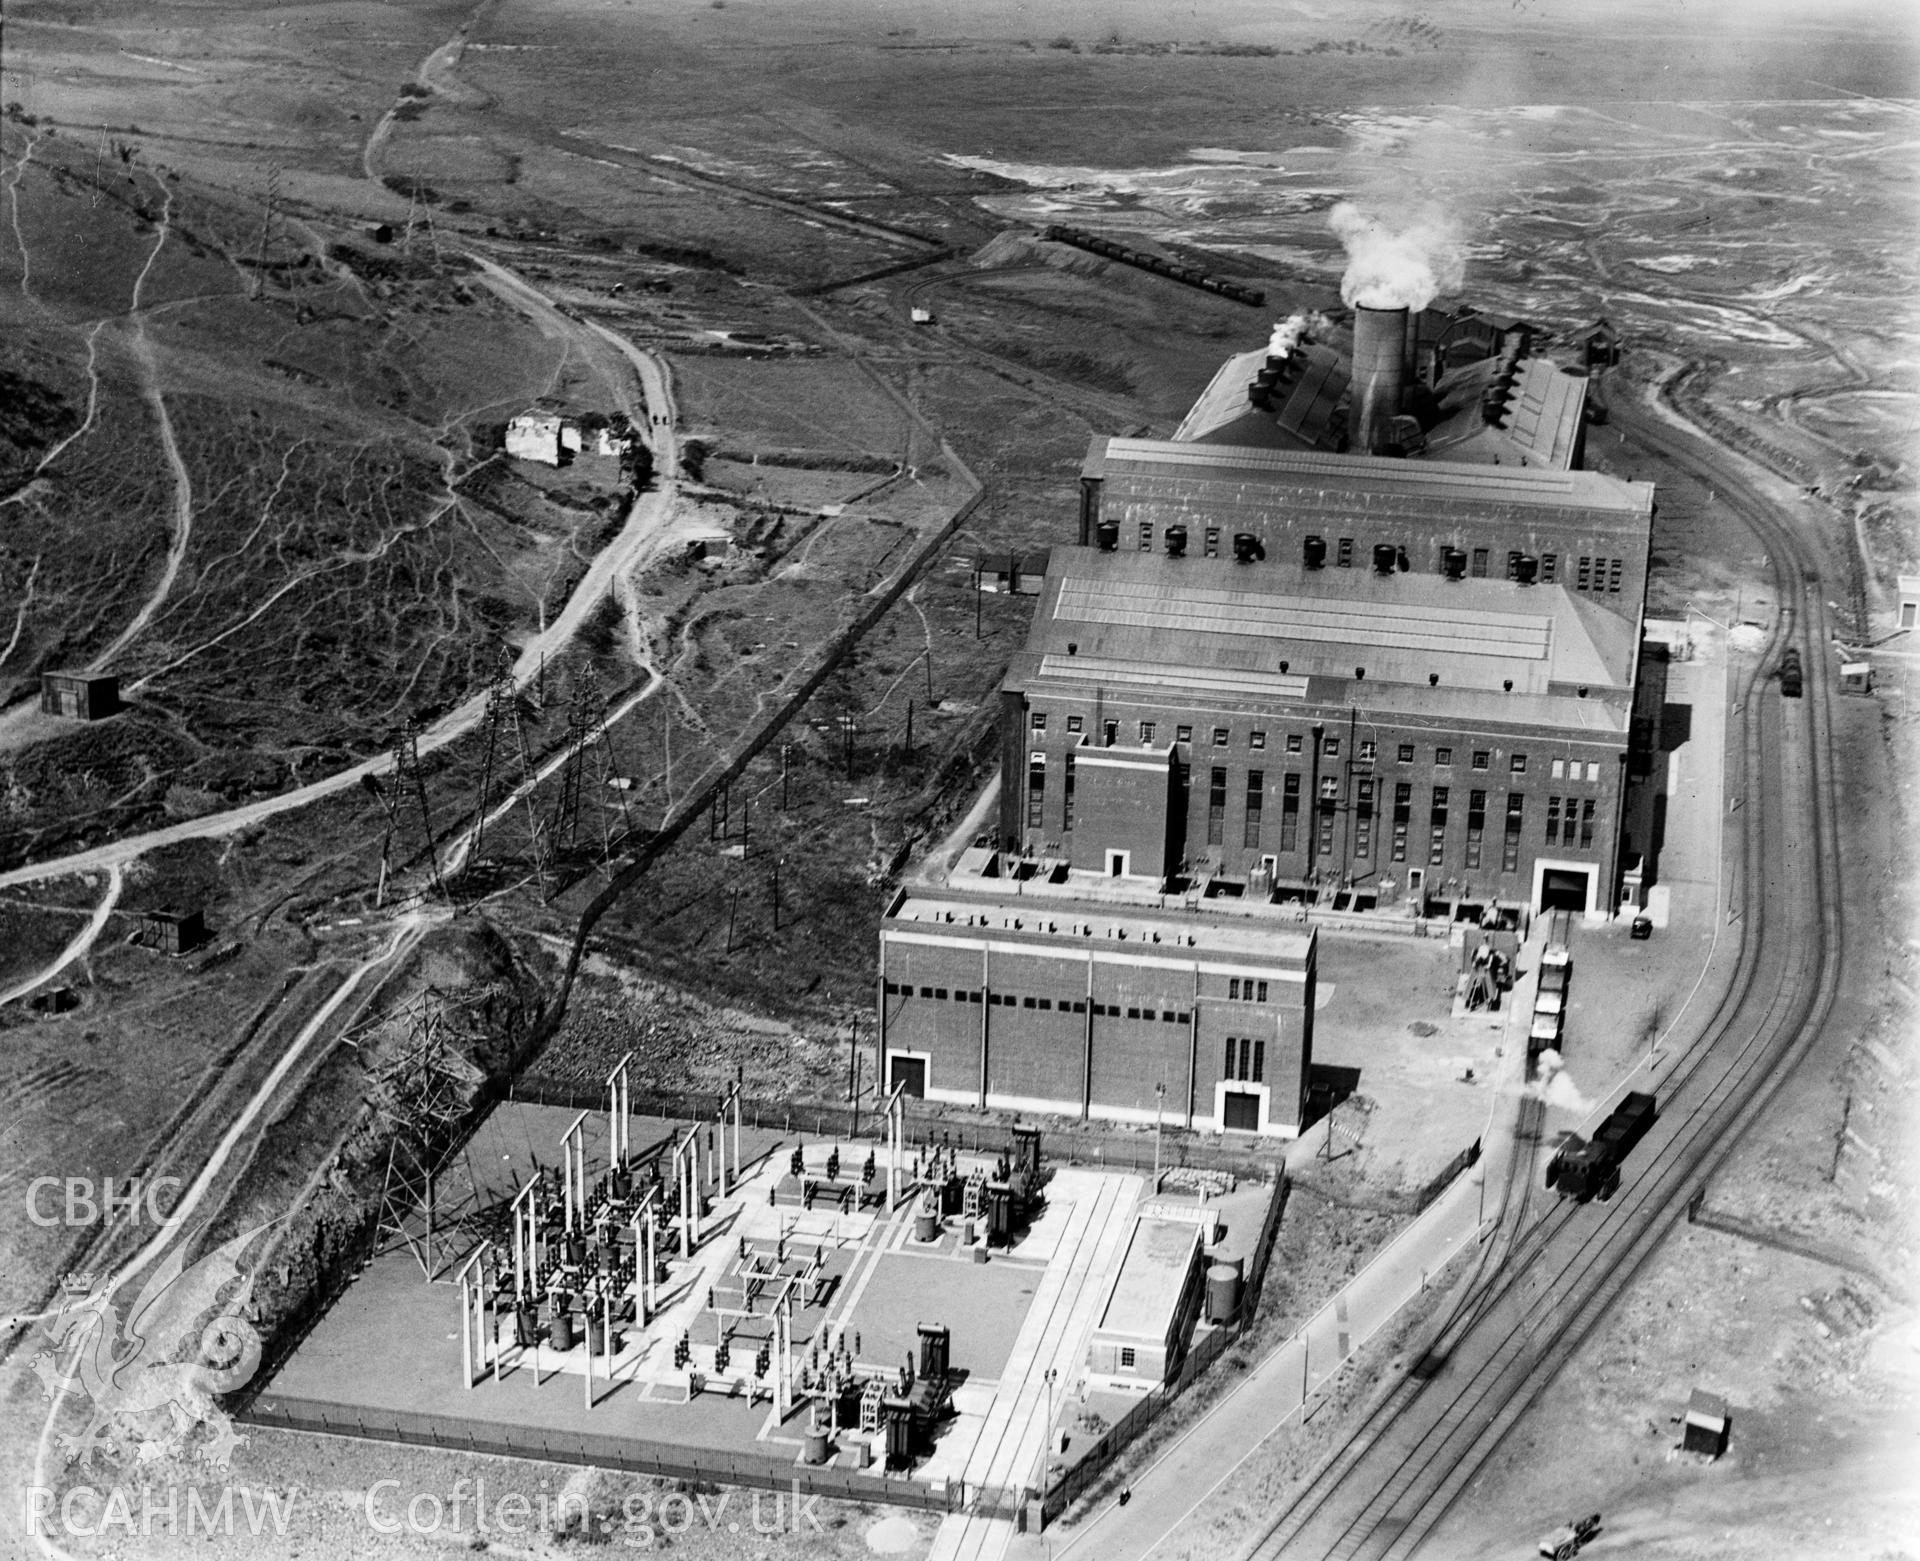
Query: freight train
point(1108, 249)
point(1592, 1169)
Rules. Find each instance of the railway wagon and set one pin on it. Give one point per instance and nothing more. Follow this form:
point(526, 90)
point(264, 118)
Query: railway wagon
point(1790, 674)
point(1059, 233)
point(1592, 1169)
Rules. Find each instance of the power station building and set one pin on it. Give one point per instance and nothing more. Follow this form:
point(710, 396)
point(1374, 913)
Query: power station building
point(1362, 635)
point(1280, 671)
point(1092, 1009)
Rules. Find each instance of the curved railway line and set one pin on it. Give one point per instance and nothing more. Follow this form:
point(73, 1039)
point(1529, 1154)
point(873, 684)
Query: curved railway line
point(1382, 1492)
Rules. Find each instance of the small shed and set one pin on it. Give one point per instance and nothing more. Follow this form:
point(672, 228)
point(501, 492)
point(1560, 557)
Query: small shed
point(1600, 344)
point(175, 931)
point(708, 543)
point(1910, 601)
point(1856, 677)
point(1706, 1424)
point(80, 696)
point(1012, 574)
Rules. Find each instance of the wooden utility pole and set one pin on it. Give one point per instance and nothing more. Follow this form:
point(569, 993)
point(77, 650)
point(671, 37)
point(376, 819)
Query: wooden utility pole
point(266, 230)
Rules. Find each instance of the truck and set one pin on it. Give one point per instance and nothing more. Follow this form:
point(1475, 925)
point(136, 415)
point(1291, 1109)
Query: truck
point(1591, 1169)
point(1544, 1033)
point(1565, 1542)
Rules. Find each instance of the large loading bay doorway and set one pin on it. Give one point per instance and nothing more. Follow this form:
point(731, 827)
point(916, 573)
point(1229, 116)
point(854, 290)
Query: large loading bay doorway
point(1564, 889)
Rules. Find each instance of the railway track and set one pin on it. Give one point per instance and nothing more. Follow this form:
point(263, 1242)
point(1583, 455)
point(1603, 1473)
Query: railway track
point(1382, 1493)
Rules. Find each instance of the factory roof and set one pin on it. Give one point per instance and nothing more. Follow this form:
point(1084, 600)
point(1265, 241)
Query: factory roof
point(1541, 426)
point(1146, 1291)
point(1304, 419)
point(1172, 482)
point(1214, 629)
point(1118, 929)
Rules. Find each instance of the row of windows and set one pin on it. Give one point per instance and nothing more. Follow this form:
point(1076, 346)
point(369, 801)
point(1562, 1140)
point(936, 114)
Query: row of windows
point(1366, 750)
point(1569, 821)
point(1246, 1060)
point(1063, 1005)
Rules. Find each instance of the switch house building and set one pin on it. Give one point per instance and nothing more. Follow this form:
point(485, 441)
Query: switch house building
point(1089, 1009)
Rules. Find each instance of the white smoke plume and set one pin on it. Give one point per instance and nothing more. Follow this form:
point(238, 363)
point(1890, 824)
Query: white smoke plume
point(1551, 1084)
point(1287, 335)
point(1405, 265)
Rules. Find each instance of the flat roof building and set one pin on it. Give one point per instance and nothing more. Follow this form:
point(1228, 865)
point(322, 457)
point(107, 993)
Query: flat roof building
point(1150, 1310)
point(1087, 1009)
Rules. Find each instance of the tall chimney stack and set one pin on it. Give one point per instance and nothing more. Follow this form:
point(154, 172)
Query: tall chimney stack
point(1379, 375)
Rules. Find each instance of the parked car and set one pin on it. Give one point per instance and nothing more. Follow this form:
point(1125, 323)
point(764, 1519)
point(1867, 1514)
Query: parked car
point(1642, 927)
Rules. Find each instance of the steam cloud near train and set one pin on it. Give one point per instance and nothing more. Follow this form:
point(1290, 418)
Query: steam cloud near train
point(1403, 266)
point(1551, 1084)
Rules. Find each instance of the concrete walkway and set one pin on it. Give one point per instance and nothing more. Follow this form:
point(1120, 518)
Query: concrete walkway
point(1010, 1446)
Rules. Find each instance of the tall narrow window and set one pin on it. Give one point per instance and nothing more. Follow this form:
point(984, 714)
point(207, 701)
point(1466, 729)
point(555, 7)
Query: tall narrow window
point(1479, 563)
point(1036, 791)
point(1256, 788)
point(1259, 1062)
point(1549, 563)
point(1289, 812)
point(1476, 825)
point(1586, 573)
point(1402, 817)
point(1246, 1057)
point(1363, 819)
point(1586, 822)
point(1226, 1069)
point(1553, 820)
point(1217, 807)
point(1510, 849)
point(1067, 791)
point(1146, 536)
point(1613, 577)
point(1437, 828)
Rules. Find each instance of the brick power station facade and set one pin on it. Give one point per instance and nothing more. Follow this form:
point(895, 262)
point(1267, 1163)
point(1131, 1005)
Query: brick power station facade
point(1097, 1010)
point(1271, 670)
point(1351, 638)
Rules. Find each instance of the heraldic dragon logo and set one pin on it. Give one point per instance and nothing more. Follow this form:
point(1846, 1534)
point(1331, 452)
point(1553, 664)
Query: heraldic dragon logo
point(153, 1373)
